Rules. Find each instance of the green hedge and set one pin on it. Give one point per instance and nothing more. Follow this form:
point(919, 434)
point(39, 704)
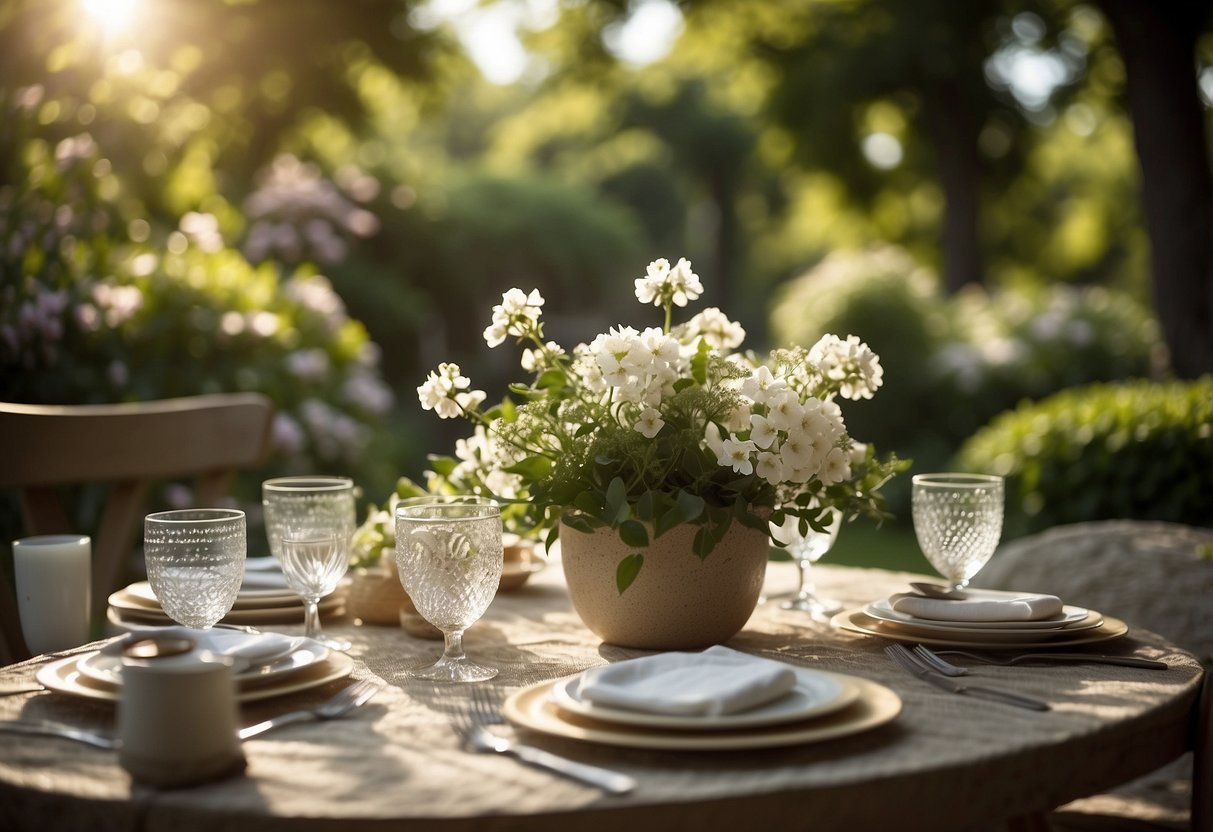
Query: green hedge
point(1134, 450)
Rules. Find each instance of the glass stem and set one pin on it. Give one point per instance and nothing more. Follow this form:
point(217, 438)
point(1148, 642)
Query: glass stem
point(311, 618)
point(452, 650)
point(805, 591)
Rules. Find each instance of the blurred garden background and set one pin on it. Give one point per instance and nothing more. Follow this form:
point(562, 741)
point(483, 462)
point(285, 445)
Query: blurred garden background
point(1011, 202)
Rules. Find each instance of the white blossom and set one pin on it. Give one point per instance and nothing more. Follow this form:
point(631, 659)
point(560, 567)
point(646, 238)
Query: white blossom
point(762, 432)
point(650, 422)
point(736, 454)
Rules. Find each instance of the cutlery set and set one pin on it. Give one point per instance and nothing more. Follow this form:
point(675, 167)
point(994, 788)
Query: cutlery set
point(930, 666)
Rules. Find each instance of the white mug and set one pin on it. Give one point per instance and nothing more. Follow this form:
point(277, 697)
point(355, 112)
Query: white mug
point(54, 584)
point(177, 719)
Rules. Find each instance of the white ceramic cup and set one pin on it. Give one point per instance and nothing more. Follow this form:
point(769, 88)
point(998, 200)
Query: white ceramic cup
point(177, 719)
point(54, 582)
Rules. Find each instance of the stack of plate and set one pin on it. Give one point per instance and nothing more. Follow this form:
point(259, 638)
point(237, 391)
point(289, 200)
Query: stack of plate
point(307, 664)
point(137, 604)
point(821, 706)
point(1072, 626)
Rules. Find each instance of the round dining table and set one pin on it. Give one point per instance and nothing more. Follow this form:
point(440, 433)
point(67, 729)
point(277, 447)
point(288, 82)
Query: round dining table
point(945, 762)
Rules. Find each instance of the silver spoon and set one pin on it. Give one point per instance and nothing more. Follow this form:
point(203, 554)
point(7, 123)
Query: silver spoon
point(937, 591)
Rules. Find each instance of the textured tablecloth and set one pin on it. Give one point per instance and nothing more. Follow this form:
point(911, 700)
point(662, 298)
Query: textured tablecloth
point(947, 762)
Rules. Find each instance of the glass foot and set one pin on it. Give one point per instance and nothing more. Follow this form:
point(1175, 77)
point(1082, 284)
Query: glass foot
point(821, 609)
point(338, 644)
point(446, 670)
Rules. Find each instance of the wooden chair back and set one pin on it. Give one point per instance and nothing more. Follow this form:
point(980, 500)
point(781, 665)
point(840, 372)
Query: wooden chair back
point(127, 447)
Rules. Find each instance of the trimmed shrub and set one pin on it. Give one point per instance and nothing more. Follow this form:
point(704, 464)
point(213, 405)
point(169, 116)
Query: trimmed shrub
point(1135, 450)
point(953, 363)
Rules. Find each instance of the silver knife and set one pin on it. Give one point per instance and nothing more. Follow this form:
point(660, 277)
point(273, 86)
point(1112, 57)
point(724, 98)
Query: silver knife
point(1063, 658)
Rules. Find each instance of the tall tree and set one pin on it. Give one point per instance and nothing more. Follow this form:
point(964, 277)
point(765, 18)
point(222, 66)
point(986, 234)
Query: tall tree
point(1158, 44)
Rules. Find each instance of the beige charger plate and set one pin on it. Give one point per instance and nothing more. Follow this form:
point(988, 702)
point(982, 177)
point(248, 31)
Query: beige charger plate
point(533, 708)
point(857, 621)
point(64, 676)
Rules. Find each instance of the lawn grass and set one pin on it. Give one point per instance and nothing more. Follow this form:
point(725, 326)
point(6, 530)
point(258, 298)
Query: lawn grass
point(892, 546)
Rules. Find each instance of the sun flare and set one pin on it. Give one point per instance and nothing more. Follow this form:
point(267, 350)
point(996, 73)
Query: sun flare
point(113, 16)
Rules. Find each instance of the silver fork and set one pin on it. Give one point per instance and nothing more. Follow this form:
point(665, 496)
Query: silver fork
point(473, 721)
point(936, 660)
point(907, 660)
point(49, 728)
point(341, 704)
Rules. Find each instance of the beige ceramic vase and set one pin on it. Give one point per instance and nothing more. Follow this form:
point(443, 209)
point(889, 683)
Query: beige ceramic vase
point(677, 601)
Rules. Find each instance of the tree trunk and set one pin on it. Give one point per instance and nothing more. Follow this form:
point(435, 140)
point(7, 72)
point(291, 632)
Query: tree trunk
point(1157, 42)
point(953, 130)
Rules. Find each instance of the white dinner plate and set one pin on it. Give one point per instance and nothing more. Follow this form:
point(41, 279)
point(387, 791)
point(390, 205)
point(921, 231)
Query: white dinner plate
point(274, 615)
point(533, 708)
point(857, 621)
point(304, 652)
point(65, 676)
point(141, 592)
point(816, 693)
point(1071, 618)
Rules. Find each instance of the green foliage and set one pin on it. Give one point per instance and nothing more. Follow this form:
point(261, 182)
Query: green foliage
point(1134, 450)
point(954, 363)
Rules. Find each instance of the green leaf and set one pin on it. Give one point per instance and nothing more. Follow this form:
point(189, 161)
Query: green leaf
point(533, 467)
point(685, 508)
point(616, 502)
point(645, 506)
point(442, 465)
point(585, 429)
point(627, 571)
point(633, 533)
point(704, 542)
point(590, 502)
point(580, 522)
point(690, 504)
point(552, 536)
point(509, 413)
point(551, 378)
point(699, 363)
point(683, 384)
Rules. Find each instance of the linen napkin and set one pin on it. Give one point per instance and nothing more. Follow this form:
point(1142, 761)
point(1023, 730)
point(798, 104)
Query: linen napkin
point(981, 605)
point(712, 683)
point(245, 649)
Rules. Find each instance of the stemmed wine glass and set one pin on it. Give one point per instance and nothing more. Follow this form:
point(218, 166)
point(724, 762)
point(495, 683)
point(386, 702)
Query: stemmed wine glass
point(449, 557)
point(309, 522)
point(806, 549)
point(195, 562)
point(958, 522)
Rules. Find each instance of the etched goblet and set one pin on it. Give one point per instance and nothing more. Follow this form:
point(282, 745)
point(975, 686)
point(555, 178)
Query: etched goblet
point(449, 557)
point(195, 562)
point(958, 522)
point(310, 522)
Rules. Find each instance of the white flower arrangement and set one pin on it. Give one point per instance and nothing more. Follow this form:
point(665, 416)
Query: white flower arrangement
point(641, 430)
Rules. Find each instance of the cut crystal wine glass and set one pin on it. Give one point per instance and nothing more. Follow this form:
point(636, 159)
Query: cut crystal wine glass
point(195, 562)
point(449, 557)
point(958, 522)
point(310, 522)
point(806, 549)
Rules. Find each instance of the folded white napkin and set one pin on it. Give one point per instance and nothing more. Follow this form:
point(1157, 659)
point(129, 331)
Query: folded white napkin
point(263, 573)
point(245, 649)
point(981, 605)
point(717, 681)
